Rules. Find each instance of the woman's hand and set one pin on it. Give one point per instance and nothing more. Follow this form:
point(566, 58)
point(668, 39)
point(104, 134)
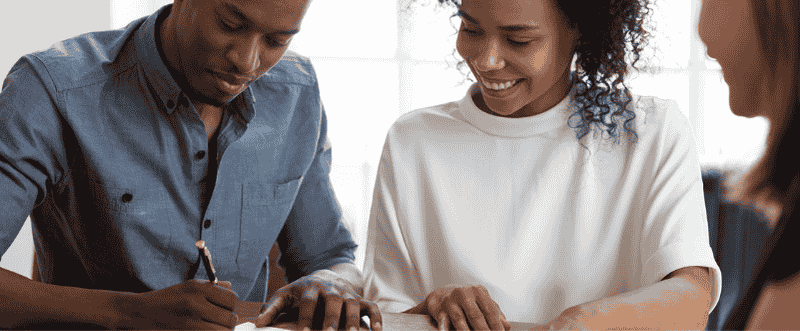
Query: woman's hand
point(466, 307)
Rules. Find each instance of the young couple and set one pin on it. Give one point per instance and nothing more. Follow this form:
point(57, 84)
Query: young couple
point(548, 194)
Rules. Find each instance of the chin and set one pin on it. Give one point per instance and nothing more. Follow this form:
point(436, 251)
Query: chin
point(502, 109)
point(744, 106)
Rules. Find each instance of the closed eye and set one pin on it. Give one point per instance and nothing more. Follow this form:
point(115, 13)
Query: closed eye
point(228, 25)
point(470, 32)
point(518, 43)
point(273, 42)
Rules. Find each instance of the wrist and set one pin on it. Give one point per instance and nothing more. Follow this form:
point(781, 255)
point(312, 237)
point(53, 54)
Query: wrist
point(350, 275)
point(118, 309)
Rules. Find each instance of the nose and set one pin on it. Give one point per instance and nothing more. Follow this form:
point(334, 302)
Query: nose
point(244, 54)
point(489, 57)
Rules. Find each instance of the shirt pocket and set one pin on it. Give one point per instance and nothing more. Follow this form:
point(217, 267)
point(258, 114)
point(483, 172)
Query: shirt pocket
point(265, 208)
point(142, 219)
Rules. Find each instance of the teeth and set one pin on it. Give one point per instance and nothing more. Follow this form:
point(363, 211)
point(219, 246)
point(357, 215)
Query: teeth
point(495, 86)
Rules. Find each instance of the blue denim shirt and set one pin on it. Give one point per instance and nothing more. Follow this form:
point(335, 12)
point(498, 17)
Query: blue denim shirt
point(101, 148)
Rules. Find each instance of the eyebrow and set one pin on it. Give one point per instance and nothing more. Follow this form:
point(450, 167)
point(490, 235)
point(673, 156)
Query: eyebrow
point(240, 15)
point(507, 28)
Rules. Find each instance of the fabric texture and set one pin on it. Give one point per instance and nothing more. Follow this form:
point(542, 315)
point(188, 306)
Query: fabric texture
point(99, 145)
point(521, 206)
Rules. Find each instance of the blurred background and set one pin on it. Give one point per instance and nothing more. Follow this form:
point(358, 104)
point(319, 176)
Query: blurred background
point(377, 60)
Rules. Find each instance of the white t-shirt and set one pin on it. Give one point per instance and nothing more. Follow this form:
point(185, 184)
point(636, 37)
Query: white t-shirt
point(520, 206)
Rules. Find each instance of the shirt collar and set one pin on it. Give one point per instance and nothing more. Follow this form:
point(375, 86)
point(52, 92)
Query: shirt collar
point(555, 118)
point(244, 104)
point(167, 90)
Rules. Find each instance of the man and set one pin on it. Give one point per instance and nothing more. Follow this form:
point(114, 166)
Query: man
point(126, 147)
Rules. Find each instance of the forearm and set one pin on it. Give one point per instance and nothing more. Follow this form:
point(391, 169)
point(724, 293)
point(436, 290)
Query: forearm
point(26, 303)
point(351, 274)
point(680, 302)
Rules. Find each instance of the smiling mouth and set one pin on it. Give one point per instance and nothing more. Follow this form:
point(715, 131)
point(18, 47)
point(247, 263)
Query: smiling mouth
point(499, 85)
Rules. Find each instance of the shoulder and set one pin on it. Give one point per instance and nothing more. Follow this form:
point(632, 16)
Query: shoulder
point(432, 120)
point(84, 59)
point(659, 117)
point(655, 111)
point(293, 68)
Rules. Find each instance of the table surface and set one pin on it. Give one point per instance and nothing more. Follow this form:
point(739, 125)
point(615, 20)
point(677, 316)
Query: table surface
point(248, 311)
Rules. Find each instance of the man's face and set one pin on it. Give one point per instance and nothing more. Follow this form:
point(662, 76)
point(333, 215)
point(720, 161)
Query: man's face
point(224, 45)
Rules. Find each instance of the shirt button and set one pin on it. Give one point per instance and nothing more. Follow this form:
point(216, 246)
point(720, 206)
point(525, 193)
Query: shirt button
point(200, 155)
point(127, 197)
point(170, 104)
point(207, 224)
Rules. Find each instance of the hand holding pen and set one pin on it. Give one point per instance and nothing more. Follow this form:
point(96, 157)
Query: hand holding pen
point(189, 305)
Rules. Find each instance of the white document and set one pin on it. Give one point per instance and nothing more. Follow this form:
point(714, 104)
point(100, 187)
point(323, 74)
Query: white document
point(252, 327)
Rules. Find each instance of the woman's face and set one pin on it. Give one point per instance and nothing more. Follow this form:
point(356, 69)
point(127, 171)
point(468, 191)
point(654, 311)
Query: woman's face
point(520, 51)
point(728, 28)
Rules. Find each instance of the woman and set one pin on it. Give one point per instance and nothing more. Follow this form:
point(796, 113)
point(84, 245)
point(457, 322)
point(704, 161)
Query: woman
point(546, 195)
point(757, 44)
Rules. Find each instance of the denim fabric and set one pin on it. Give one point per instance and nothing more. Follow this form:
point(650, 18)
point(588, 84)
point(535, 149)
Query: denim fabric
point(106, 153)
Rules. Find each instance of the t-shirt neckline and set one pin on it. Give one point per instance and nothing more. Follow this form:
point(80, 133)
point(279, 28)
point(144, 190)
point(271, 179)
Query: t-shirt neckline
point(552, 119)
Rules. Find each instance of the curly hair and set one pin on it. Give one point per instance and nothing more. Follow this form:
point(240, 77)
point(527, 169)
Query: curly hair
point(612, 36)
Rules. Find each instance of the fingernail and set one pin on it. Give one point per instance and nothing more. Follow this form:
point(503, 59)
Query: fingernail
point(306, 329)
point(378, 324)
point(330, 328)
point(353, 328)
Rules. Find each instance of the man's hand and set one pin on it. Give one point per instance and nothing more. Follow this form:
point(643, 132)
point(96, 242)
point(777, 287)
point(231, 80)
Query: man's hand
point(189, 305)
point(329, 290)
point(457, 305)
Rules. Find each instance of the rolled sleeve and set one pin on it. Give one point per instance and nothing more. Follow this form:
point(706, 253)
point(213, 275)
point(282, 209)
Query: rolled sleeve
point(314, 236)
point(675, 232)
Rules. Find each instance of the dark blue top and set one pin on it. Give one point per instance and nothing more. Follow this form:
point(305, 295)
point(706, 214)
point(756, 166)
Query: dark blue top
point(737, 235)
point(110, 158)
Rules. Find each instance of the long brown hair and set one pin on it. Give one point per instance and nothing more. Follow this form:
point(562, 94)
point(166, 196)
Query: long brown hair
point(776, 176)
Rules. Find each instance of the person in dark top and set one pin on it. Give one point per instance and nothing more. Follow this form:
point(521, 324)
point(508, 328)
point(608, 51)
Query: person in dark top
point(757, 44)
point(126, 147)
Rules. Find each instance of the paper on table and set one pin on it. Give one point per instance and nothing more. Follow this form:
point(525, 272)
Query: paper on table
point(252, 327)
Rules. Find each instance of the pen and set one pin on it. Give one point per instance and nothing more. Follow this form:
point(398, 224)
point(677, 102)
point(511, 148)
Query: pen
point(206, 256)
